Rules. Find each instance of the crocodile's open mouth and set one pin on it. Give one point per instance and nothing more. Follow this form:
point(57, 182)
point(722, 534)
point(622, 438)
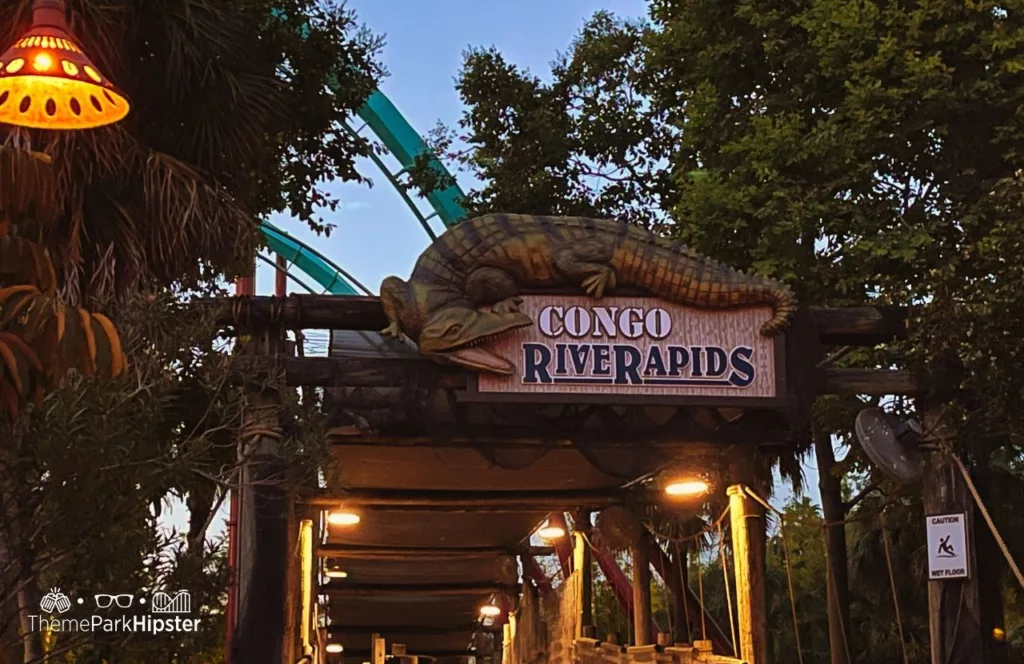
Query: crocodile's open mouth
point(472, 356)
point(467, 346)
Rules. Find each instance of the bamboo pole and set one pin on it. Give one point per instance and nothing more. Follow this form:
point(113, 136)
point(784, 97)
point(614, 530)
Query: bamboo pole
point(747, 521)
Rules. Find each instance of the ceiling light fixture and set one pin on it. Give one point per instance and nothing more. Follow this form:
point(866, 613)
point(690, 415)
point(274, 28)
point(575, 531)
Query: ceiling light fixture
point(490, 611)
point(691, 487)
point(47, 82)
point(343, 518)
point(549, 531)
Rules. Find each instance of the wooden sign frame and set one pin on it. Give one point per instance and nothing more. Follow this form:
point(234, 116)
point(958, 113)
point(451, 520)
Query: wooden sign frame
point(781, 400)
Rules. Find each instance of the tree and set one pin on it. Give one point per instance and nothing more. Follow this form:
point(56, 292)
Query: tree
point(235, 111)
point(860, 153)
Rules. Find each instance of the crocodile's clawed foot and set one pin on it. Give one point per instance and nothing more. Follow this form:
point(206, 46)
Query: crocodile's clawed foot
point(392, 330)
point(597, 284)
point(510, 305)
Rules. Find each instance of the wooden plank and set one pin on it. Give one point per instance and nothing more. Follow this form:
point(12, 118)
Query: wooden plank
point(434, 653)
point(433, 590)
point(411, 629)
point(400, 371)
point(860, 326)
point(872, 382)
point(847, 326)
point(469, 501)
point(407, 552)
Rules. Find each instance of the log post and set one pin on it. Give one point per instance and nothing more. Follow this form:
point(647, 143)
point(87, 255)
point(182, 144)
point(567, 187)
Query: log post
point(747, 520)
point(641, 596)
point(263, 631)
point(954, 611)
point(678, 589)
point(583, 563)
point(378, 649)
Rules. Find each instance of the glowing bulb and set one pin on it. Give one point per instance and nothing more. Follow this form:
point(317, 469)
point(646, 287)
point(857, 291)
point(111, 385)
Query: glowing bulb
point(337, 574)
point(343, 519)
point(334, 648)
point(687, 488)
point(490, 611)
point(42, 62)
point(549, 532)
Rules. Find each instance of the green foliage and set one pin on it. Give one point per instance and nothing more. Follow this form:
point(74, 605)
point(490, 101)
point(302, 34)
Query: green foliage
point(862, 152)
point(93, 470)
point(234, 115)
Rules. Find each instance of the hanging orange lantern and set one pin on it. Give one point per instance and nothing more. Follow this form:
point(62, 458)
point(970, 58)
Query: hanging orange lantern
point(47, 82)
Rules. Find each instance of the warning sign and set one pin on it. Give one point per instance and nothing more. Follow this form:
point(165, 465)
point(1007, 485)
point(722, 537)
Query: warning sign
point(947, 546)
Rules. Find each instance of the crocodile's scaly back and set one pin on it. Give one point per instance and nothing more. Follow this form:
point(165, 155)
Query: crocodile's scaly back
point(536, 250)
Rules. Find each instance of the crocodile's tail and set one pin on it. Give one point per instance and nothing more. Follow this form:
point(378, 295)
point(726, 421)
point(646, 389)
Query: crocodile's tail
point(784, 306)
point(715, 286)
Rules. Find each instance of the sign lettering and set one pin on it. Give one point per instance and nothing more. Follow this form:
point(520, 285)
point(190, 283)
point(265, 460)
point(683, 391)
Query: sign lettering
point(635, 346)
point(947, 546)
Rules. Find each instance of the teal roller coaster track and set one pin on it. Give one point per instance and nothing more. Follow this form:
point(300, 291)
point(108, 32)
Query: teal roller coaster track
point(382, 118)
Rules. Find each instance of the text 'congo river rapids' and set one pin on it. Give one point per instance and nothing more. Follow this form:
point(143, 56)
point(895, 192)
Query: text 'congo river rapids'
point(623, 345)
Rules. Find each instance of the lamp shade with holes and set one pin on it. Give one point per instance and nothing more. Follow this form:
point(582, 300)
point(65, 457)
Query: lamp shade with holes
point(47, 82)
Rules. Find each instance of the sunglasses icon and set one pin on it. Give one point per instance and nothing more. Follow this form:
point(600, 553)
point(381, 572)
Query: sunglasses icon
point(122, 601)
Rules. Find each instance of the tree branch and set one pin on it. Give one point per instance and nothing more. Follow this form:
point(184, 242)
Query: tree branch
point(853, 502)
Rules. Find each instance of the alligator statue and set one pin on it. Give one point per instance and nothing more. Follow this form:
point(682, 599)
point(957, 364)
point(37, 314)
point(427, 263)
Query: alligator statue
point(464, 288)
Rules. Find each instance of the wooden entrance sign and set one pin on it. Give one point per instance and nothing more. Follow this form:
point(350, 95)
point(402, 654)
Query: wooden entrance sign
point(635, 350)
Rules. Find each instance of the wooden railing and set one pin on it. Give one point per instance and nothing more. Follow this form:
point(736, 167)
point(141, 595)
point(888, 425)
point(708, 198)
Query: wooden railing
point(591, 651)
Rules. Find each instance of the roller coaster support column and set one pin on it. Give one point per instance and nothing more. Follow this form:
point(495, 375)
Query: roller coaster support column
point(281, 277)
point(749, 541)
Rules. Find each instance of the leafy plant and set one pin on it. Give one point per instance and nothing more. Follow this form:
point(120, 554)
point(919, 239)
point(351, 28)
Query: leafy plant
point(41, 337)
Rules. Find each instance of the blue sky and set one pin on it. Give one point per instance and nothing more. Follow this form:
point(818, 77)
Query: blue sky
point(375, 234)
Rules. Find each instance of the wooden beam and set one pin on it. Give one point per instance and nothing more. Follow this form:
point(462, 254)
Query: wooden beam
point(351, 435)
point(700, 435)
point(361, 552)
point(404, 630)
point(860, 326)
point(396, 372)
point(469, 501)
point(847, 326)
point(872, 382)
point(405, 589)
point(324, 312)
point(433, 654)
